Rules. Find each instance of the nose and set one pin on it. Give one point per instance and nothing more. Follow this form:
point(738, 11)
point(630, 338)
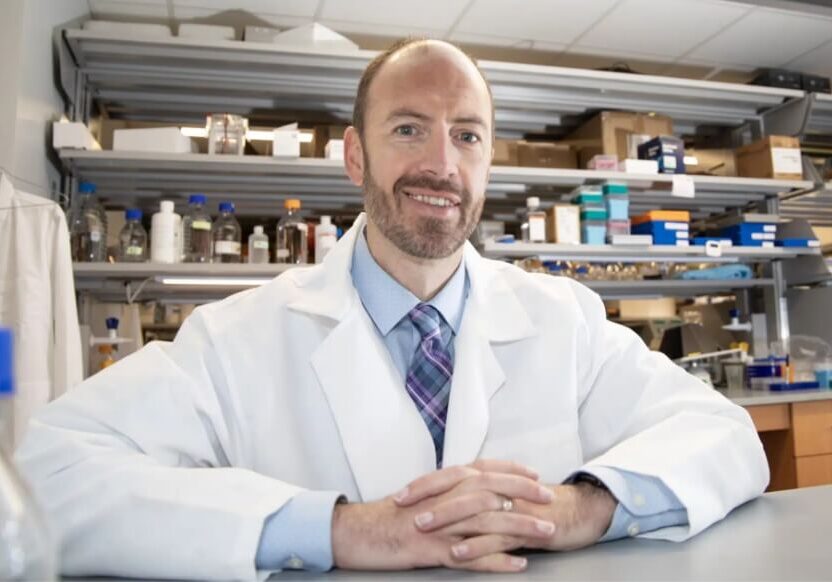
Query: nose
point(441, 157)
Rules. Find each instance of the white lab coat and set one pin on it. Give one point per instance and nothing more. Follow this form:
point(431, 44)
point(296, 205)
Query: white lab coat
point(166, 464)
point(37, 299)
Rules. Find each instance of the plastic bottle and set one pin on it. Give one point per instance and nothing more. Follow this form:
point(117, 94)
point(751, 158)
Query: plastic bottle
point(326, 235)
point(291, 235)
point(27, 551)
point(133, 238)
point(88, 227)
point(164, 234)
point(196, 231)
point(227, 236)
point(533, 228)
point(258, 246)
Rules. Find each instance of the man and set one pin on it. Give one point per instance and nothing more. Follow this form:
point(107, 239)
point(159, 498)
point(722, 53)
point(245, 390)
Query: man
point(237, 445)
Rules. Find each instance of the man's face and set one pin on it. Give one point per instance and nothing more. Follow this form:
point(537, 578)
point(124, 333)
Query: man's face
point(426, 150)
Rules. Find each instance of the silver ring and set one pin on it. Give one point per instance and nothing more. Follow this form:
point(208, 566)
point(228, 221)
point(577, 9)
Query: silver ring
point(508, 504)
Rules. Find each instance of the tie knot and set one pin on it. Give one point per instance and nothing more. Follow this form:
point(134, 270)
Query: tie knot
point(428, 321)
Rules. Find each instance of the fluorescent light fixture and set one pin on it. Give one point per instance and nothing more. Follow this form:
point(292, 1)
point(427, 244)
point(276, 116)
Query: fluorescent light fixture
point(214, 281)
point(251, 134)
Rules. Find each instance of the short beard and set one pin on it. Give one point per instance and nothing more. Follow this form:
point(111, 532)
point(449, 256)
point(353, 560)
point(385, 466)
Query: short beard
point(428, 238)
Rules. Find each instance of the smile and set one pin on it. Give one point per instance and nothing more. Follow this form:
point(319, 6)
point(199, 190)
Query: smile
point(432, 200)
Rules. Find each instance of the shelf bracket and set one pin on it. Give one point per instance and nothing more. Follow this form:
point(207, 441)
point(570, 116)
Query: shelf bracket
point(133, 295)
point(789, 118)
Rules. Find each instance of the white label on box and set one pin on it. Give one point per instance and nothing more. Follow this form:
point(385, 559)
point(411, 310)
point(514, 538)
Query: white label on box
point(682, 234)
point(769, 228)
point(762, 236)
point(767, 244)
point(227, 247)
point(677, 226)
point(813, 244)
point(786, 161)
point(537, 229)
point(683, 186)
point(669, 162)
point(682, 243)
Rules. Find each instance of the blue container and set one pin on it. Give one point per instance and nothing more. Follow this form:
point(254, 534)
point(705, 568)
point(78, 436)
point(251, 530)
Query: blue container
point(803, 243)
point(593, 234)
point(618, 207)
point(751, 234)
point(824, 378)
point(664, 233)
point(614, 188)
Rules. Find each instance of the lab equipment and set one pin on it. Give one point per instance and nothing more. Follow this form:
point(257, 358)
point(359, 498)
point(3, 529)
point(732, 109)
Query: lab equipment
point(196, 231)
point(88, 227)
point(226, 133)
point(27, 551)
point(292, 244)
point(258, 246)
point(326, 235)
point(227, 235)
point(533, 228)
point(164, 234)
point(133, 238)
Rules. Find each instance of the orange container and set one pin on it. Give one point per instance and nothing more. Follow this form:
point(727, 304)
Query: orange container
point(662, 216)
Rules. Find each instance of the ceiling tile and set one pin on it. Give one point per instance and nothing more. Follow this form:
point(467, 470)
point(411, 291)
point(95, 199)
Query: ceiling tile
point(620, 54)
point(424, 14)
point(766, 38)
point(583, 61)
point(816, 62)
point(484, 39)
point(669, 27)
point(557, 21)
point(287, 7)
point(348, 26)
point(149, 8)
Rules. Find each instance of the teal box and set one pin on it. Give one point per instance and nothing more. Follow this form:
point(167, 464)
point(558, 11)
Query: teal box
point(588, 198)
point(613, 188)
point(592, 214)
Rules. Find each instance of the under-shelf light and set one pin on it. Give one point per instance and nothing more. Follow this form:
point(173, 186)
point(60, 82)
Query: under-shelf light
point(214, 281)
point(251, 134)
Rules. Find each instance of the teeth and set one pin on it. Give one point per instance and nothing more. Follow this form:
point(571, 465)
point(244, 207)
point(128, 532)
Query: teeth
point(432, 200)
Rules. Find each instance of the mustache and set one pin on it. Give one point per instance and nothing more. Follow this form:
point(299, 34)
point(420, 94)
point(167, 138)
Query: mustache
point(430, 183)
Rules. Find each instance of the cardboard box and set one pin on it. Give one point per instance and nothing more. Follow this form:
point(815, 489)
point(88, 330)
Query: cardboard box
point(660, 308)
point(711, 162)
point(607, 133)
point(324, 133)
point(158, 139)
point(563, 224)
point(546, 155)
point(286, 141)
point(776, 156)
point(505, 152)
point(73, 134)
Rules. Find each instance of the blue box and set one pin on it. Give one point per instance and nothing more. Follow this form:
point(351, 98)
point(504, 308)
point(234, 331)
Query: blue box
point(803, 243)
point(615, 188)
point(667, 150)
point(703, 240)
point(665, 233)
point(618, 207)
point(593, 234)
point(751, 234)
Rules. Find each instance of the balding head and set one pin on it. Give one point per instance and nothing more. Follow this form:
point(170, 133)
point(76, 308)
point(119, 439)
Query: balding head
point(405, 52)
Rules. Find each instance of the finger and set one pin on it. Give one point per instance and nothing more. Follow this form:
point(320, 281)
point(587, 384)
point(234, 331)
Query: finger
point(482, 546)
point(501, 562)
point(499, 466)
point(432, 484)
point(503, 523)
point(511, 486)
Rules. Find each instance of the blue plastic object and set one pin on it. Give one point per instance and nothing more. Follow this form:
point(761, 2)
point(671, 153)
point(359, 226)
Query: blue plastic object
point(824, 378)
point(594, 235)
point(133, 214)
point(86, 188)
point(226, 207)
point(111, 322)
point(797, 242)
point(6, 362)
point(618, 208)
point(197, 199)
point(784, 386)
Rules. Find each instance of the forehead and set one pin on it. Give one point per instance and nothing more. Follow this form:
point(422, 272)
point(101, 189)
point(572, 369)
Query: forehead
point(429, 76)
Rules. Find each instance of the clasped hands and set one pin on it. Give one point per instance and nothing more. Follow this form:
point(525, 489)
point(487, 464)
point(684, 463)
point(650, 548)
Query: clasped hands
point(469, 518)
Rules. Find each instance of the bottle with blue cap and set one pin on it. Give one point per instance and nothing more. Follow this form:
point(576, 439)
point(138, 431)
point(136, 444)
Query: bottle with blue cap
point(227, 235)
point(196, 231)
point(133, 238)
point(87, 226)
point(27, 551)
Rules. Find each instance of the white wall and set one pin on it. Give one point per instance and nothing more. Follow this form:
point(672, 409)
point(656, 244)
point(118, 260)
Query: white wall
point(29, 100)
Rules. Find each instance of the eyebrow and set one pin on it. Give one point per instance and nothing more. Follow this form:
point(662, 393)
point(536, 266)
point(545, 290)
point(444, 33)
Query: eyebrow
point(405, 112)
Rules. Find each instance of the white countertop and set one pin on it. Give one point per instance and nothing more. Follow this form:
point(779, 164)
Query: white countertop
point(759, 397)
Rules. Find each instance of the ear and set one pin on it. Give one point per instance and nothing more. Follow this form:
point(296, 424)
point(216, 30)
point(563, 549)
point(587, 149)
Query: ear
point(354, 156)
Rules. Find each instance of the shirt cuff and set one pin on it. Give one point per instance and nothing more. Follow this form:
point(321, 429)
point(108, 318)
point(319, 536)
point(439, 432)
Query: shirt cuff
point(644, 503)
point(298, 536)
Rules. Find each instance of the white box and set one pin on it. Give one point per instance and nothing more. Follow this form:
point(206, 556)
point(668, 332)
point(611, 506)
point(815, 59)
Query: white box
point(153, 139)
point(73, 134)
point(563, 224)
point(286, 142)
point(260, 34)
point(334, 149)
point(632, 239)
point(206, 31)
point(639, 166)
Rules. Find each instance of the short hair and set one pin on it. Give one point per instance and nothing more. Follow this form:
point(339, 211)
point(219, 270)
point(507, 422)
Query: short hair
point(360, 108)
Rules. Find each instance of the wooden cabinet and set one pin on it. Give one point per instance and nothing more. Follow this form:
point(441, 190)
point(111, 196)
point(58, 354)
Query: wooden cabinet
point(797, 438)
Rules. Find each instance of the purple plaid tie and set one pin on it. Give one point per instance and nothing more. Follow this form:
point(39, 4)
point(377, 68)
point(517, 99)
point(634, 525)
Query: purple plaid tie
point(429, 376)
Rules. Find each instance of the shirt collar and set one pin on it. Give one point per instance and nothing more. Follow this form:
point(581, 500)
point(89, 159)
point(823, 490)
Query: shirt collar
point(387, 301)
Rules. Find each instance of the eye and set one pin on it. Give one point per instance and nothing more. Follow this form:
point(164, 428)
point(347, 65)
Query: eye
point(469, 137)
point(405, 130)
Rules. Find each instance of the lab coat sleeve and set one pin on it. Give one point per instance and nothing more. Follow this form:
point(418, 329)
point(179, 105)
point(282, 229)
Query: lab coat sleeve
point(640, 412)
point(67, 364)
point(140, 473)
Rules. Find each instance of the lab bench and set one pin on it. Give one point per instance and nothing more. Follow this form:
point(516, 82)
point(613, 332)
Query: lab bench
point(796, 430)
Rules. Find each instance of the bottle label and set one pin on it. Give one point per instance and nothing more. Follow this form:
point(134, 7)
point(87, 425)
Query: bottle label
point(201, 225)
point(226, 247)
point(282, 253)
point(134, 251)
point(95, 236)
point(261, 244)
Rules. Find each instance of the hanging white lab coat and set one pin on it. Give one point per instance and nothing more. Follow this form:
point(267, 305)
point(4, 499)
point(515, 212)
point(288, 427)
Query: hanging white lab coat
point(167, 464)
point(37, 299)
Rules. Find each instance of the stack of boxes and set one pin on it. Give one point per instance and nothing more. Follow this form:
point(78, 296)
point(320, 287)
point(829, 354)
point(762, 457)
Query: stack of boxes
point(748, 232)
point(593, 214)
point(667, 227)
point(617, 203)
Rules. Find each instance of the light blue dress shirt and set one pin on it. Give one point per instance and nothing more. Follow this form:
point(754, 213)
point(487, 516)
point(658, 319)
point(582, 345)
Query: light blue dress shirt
point(298, 535)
